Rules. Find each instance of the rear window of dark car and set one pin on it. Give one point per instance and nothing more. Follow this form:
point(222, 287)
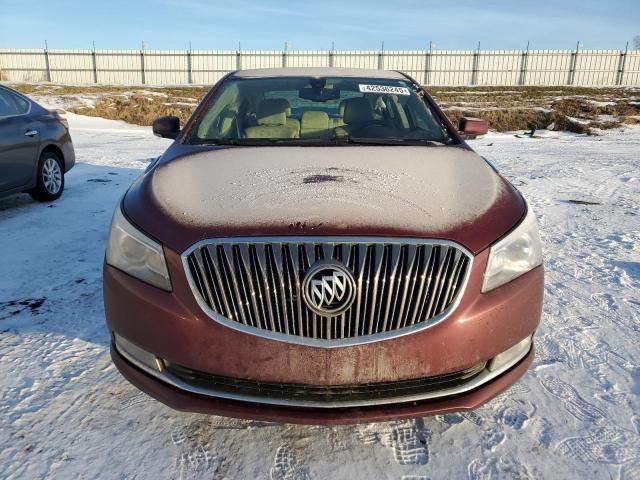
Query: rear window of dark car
point(12, 104)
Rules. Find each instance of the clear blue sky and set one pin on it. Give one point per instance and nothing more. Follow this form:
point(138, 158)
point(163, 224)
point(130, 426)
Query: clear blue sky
point(261, 24)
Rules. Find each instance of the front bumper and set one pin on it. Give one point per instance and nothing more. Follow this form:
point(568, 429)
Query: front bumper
point(321, 396)
point(183, 400)
point(172, 326)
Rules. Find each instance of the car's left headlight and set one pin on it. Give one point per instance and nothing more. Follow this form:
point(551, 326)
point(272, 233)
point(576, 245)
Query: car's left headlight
point(516, 254)
point(133, 252)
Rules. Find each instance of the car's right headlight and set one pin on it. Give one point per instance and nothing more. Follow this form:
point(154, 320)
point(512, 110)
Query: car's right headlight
point(516, 254)
point(130, 250)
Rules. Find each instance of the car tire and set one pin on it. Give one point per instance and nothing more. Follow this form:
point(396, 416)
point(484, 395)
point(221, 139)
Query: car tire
point(50, 181)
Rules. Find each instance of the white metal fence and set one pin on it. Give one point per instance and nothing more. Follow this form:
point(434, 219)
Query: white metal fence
point(431, 67)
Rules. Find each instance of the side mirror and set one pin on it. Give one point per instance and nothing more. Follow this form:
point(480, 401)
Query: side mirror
point(473, 127)
point(166, 127)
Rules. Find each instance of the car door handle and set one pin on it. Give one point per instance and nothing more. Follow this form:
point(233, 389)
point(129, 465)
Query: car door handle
point(30, 133)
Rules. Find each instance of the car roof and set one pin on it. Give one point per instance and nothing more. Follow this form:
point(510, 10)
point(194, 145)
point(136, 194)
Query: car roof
point(319, 72)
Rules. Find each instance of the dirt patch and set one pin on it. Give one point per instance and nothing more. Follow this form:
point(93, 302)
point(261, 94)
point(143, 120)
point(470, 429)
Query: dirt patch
point(14, 307)
point(583, 202)
point(323, 178)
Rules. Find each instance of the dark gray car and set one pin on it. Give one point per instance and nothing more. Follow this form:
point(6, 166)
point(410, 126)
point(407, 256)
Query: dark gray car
point(35, 148)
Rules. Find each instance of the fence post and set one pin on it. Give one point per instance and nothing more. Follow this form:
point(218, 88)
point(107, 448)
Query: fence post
point(331, 55)
point(46, 61)
point(474, 66)
point(572, 65)
point(142, 72)
point(189, 67)
point(381, 58)
point(284, 56)
point(621, 65)
point(238, 59)
point(94, 63)
point(427, 65)
point(523, 66)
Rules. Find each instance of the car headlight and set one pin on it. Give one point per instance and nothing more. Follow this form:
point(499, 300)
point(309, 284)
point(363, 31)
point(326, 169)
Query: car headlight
point(516, 254)
point(130, 250)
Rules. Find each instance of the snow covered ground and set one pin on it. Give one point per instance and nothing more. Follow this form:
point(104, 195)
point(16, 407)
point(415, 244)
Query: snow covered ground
point(65, 412)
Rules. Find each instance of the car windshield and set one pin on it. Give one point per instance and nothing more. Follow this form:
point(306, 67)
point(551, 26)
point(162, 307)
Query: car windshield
point(331, 110)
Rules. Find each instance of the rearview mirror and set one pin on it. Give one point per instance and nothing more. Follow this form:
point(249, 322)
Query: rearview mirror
point(166, 127)
point(473, 127)
point(319, 94)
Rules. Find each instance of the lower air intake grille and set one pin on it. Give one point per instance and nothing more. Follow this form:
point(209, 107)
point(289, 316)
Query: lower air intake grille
point(322, 394)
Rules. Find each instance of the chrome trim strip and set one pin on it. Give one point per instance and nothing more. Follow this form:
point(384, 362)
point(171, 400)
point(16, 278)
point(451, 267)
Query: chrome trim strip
point(483, 378)
point(296, 240)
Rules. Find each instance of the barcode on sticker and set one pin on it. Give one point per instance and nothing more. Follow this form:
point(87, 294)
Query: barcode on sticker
point(388, 89)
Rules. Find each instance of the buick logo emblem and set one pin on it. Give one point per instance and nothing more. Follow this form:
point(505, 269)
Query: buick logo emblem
point(328, 288)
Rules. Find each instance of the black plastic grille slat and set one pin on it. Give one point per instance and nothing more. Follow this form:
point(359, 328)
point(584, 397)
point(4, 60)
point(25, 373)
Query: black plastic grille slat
point(324, 393)
point(259, 284)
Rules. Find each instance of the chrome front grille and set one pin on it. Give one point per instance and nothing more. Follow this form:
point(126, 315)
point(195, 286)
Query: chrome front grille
point(255, 284)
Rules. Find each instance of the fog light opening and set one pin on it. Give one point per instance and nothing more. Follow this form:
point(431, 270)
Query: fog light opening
point(137, 355)
point(511, 356)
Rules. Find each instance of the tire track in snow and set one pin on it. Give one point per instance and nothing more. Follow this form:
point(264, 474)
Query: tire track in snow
point(608, 444)
point(572, 401)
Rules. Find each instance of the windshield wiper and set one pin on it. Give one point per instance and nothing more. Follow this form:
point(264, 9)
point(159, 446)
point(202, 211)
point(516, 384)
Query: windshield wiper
point(392, 141)
point(320, 141)
point(264, 141)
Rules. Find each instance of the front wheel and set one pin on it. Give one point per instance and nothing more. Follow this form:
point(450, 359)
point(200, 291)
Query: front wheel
point(50, 182)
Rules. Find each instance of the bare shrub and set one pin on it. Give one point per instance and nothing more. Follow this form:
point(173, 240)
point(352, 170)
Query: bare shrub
point(631, 121)
point(506, 120)
point(136, 109)
point(562, 122)
point(575, 109)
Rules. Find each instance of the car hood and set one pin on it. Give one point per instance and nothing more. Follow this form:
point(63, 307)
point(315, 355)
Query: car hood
point(425, 192)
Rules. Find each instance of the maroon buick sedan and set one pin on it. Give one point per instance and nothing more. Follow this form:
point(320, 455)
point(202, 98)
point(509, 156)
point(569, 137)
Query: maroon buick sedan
point(322, 246)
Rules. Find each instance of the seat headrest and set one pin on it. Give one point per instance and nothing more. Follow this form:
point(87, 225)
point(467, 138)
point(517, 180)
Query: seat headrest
point(314, 121)
point(357, 110)
point(284, 103)
point(271, 112)
point(341, 107)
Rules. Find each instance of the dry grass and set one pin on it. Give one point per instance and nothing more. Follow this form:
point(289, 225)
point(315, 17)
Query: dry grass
point(141, 107)
point(576, 109)
point(507, 119)
point(194, 93)
point(136, 109)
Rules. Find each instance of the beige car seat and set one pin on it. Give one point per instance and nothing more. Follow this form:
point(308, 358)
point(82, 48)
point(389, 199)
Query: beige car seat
point(357, 112)
point(339, 121)
point(315, 125)
point(271, 116)
point(292, 122)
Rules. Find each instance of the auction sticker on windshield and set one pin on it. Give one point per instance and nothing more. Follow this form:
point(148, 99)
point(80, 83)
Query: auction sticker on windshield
point(389, 89)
